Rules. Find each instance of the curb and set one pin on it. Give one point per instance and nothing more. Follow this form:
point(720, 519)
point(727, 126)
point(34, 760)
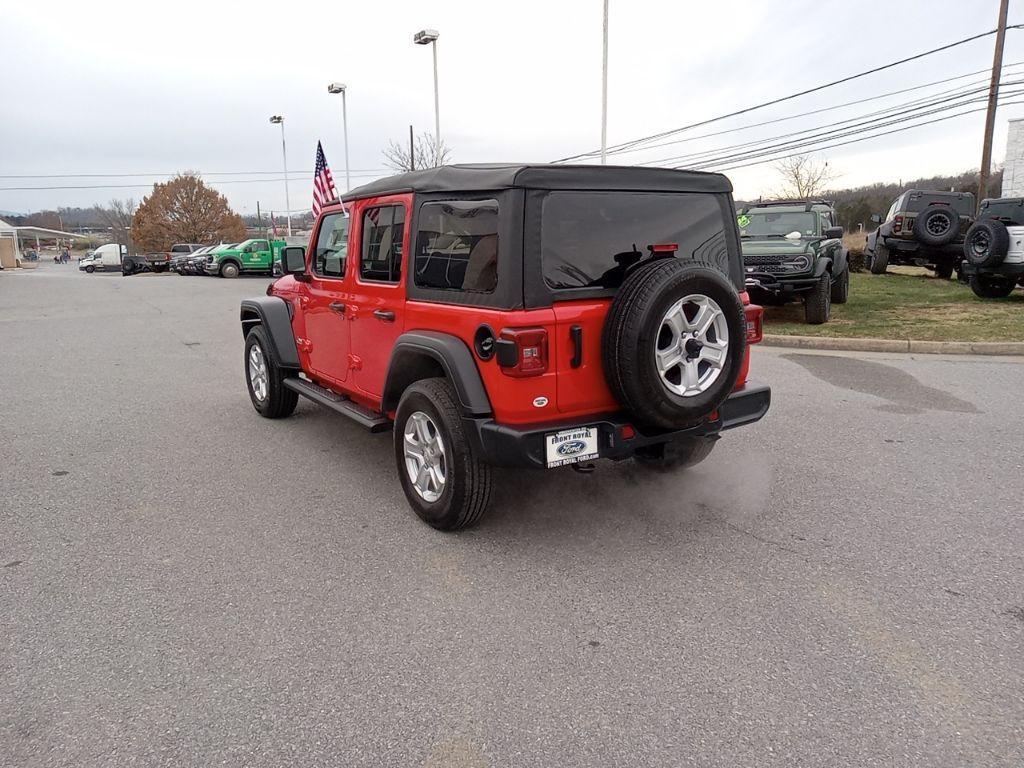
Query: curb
point(897, 345)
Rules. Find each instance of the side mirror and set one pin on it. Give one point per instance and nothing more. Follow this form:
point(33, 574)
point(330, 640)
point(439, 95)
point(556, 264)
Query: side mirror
point(875, 218)
point(293, 260)
point(833, 232)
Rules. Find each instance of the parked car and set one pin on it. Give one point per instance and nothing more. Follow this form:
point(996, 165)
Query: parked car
point(180, 260)
point(160, 261)
point(106, 258)
point(254, 255)
point(213, 255)
point(921, 227)
point(794, 250)
point(994, 248)
point(533, 316)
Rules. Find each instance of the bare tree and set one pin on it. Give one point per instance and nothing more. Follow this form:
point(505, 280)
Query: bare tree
point(427, 155)
point(117, 216)
point(803, 177)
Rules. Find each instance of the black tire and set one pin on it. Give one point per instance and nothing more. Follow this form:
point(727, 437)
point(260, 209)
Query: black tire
point(937, 225)
point(986, 243)
point(159, 268)
point(841, 287)
point(879, 259)
point(818, 301)
point(466, 490)
point(279, 401)
point(90, 269)
point(990, 287)
point(944, 270)
point(229, 269)
point(127, 267)
point(675, 455)
point(634, 330)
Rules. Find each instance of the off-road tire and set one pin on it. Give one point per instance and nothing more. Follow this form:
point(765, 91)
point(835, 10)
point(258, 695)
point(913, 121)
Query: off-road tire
point(927, 227)
point(90, 269)
point(990, 287)
point(841, 287)
point(467, 487)
point(229, 270)
point(280, 401)
point(679, 454)
point(986, 243)
point(630, 337)
point(818, 301)
point(944, 270)
point(879, 259)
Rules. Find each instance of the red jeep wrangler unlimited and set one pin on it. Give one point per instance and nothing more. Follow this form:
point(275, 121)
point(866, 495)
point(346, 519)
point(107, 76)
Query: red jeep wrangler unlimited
point(505, 315)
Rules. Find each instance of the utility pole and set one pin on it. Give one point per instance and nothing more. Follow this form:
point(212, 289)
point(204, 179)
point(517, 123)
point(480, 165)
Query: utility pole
point(259, 219)
point(412, 151)
point(993, 99)
point(604, 89)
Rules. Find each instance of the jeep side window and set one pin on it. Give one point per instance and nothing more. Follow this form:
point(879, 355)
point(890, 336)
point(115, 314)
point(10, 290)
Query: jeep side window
point(381, 258)
point(331, 245)
point(457, 246)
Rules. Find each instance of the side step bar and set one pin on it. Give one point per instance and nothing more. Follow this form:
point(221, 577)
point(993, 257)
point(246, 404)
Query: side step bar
point(363, 416)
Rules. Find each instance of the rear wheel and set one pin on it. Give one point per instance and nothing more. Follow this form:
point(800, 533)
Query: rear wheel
point(675, 455)
point(818, 302)
point(988, 287)
point(445, 482)
point(944, 270)
point(229, 270)
point(879, 260)
point(265, 378)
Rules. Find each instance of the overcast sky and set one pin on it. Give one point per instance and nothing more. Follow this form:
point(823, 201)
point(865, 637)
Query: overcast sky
point(139, 88)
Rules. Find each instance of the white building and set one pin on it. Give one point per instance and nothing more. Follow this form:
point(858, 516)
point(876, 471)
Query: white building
point(1013, 170)
point(11, 236)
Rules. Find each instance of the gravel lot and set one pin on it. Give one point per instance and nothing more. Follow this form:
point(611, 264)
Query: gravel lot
point(185, 583)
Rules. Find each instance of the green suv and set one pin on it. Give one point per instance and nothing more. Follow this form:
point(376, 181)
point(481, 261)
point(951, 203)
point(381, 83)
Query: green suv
point(794, 250)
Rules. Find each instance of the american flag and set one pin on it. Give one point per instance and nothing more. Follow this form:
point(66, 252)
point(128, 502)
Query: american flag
point(323, 182)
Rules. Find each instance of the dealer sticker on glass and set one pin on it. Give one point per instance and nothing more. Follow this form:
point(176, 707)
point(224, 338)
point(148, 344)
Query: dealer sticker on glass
point(570, 446)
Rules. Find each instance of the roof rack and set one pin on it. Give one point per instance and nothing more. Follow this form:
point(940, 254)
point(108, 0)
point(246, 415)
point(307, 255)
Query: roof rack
point(808, 204)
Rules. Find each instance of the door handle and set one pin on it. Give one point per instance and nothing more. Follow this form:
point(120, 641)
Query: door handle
point(576, 334)
point(337, 306)
point(384, 314)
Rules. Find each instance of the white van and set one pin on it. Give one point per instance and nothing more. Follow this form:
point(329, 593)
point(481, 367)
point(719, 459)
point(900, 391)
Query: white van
point(106, 257)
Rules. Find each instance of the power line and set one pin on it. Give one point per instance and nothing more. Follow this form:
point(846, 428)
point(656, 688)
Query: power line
point(147, 186)
point(866, 138)
point(952, 99)
point(791, 96)
point(361, 171)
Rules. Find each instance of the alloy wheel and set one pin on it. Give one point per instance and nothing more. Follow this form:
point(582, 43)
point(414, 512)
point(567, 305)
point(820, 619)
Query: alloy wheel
point(426, 460)
point(692, 345)
point(258, 373)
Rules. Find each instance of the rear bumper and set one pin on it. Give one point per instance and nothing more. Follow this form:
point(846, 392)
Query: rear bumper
point(1014, 270)
point(509, 446)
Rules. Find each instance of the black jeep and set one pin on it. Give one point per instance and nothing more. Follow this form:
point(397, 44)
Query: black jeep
point(794, 249)
point(994, 248)
point(922, 228)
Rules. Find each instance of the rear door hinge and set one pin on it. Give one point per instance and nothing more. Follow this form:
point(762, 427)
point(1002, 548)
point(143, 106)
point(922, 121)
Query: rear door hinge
point(355, 362)
point(304, 345)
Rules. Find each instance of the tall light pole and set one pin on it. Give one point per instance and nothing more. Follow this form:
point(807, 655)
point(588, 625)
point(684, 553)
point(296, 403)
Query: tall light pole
point(278, 120)
point(604, 89)
point(340, 88)
point(423, 37)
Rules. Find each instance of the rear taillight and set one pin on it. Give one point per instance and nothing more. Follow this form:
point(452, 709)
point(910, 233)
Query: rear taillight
point(755, 323)
point(523, 351)
point(897, 224)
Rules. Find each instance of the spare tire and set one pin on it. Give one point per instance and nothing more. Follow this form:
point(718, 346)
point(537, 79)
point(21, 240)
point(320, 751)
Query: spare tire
point(937, 225)
point(674, 343)
point(127, 266)
point(986, 243)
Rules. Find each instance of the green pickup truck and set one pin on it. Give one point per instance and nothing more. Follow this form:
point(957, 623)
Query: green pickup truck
point(255, 255)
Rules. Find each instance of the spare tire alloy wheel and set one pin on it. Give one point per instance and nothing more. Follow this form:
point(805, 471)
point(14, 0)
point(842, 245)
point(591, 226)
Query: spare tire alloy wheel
point(936, 225)
point(986, 243)
point(692, 345)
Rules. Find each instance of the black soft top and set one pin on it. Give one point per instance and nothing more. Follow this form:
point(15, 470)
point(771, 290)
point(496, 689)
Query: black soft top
point(485, 177)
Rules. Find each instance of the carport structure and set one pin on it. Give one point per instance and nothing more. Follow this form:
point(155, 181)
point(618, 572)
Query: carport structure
point(11, 237)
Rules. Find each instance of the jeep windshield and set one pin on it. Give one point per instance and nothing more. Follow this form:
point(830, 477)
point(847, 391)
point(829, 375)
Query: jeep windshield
point(769, 224)
point(590, 239)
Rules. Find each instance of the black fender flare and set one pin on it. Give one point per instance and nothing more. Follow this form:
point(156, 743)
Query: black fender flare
point(842, 261)
point(419, 354)
point(272, 312)
point(821, 266)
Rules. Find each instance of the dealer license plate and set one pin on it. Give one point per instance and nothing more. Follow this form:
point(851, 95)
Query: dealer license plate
point(571, 446)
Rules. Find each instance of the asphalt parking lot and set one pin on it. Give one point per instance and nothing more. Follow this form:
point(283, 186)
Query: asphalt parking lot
point(185, 583)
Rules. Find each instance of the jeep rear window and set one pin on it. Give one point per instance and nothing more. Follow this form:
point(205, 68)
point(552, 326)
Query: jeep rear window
point(590, 239)
point(457, 246)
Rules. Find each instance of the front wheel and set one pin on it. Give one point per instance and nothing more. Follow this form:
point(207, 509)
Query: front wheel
point(265, 379)
point(445, 482)
point(229, 270)
point(90, 269)
point(818, 303)
point(986, 287)
point(879, 259)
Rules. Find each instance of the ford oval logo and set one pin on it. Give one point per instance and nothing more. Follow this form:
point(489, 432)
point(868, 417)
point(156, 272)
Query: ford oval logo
point(572, 447)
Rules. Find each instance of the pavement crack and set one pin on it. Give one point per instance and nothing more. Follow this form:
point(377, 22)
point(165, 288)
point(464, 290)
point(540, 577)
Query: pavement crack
point(750, 534)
